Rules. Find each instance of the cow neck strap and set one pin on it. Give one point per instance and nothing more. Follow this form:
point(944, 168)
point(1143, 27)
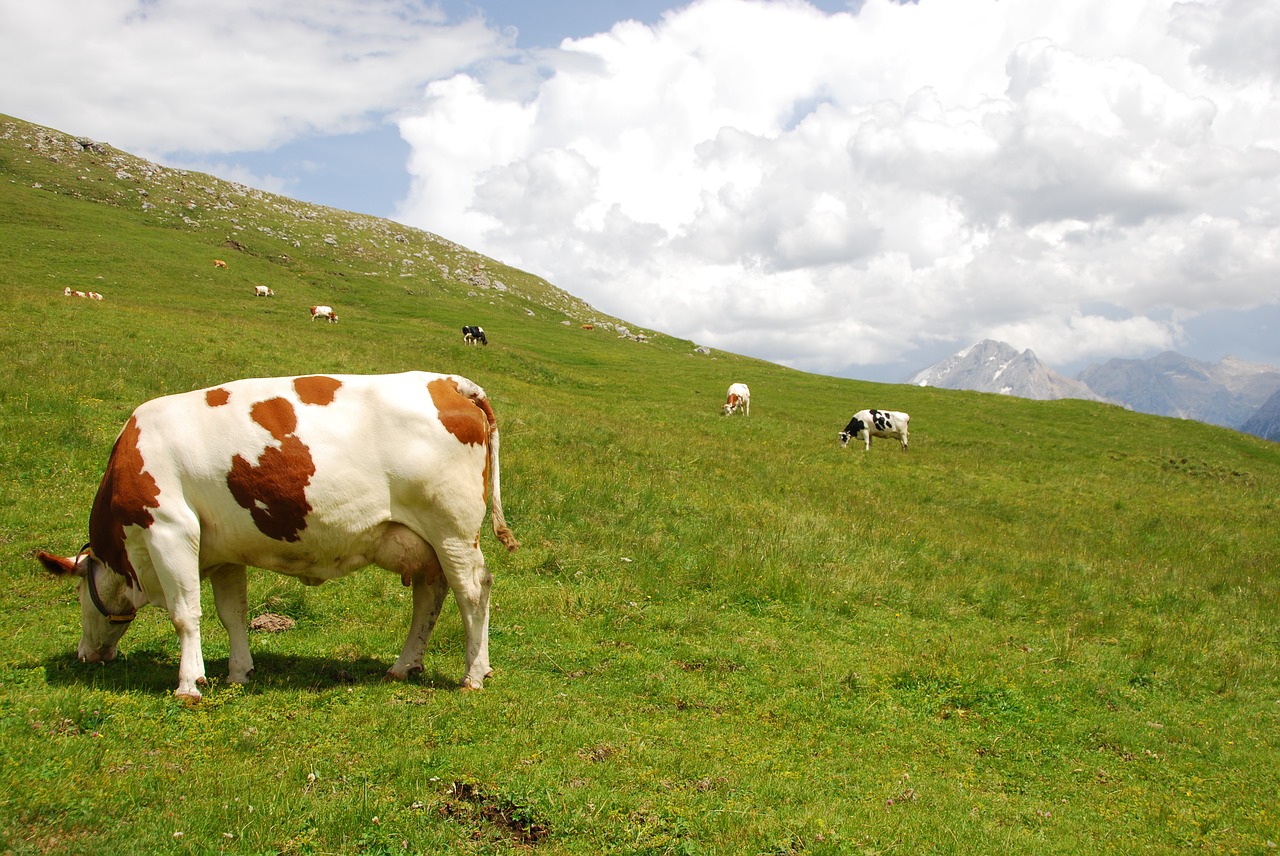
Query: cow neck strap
point(120, 618)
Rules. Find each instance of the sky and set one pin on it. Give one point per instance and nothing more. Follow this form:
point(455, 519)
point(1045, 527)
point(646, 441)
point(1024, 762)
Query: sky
point(853, 188)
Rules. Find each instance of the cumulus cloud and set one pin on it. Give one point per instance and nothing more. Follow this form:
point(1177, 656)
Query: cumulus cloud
point(835, 189)
point(185, 75)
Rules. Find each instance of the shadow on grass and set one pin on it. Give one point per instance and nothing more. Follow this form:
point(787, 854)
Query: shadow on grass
point(155, 671)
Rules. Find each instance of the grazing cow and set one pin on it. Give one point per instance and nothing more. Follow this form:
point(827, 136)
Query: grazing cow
point(472, 335)
point(67, 292)
point(93, 295)
point(219, 263)
point(739, 399)
point(313, 477)
point(263, 291)
point(325, 312)
point(866, 424)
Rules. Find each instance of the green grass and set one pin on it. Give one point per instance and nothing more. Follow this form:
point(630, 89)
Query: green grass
point(1051, 627)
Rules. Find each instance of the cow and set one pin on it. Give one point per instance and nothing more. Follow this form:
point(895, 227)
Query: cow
point(739, 399)
point(325, 312)
point(312, 477)
point(93, 295)
point(866, 424)
point(219, 263)
point(471, 335)
point(67, 292)
point(263, 291)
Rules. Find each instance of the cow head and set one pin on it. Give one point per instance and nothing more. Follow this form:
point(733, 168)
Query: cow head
point(105, 607)
point(854, 429)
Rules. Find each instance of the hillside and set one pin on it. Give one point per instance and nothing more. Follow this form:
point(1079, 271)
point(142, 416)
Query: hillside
point(1049, 628)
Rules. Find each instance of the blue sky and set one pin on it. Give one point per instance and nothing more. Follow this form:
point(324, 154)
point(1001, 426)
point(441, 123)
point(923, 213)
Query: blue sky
point(855, 189)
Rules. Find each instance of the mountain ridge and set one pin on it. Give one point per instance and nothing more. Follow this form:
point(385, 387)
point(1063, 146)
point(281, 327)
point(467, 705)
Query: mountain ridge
point(998, 367)
point(1231, 392)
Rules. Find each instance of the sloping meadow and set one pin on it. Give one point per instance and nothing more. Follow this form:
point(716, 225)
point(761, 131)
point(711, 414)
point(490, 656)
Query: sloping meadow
point(1049, 627)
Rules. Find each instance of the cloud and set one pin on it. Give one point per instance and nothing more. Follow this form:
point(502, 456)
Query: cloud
point(184, 75)
point(851, 188)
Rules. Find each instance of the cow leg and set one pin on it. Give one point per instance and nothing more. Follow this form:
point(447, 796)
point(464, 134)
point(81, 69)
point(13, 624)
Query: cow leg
point(231, 597)
point(175, 559)
point(470, 580)
point(429, 592)
point(408, 554)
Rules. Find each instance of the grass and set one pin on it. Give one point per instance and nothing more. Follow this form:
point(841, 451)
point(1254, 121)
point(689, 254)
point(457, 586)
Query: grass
point(1048, 628)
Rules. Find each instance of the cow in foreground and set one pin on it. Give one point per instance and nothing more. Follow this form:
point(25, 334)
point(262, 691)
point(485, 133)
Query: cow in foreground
point(739, 398)
point(263, 291)
point(325, 312)
point(472, 335)
point(865, 424)
point(313, 477)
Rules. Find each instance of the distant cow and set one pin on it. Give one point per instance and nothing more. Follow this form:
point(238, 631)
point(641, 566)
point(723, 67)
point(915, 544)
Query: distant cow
point(325, 312)
point(472, 335)
point(93, 295)
point(219, 263)
point(866, 424)
point(67, 292)
point(739, 399)
point(263, 291)
point(313, 477)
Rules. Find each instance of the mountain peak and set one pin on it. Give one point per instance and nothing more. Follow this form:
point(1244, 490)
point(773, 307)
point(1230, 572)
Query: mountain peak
point(993, 366)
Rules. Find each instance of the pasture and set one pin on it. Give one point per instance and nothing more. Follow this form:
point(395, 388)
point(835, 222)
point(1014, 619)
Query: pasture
point(1049, 628)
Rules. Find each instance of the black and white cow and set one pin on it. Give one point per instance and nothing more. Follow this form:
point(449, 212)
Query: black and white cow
point(471, 335)
point(866, 424)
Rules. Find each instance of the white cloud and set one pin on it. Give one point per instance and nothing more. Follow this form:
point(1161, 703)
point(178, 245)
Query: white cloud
point(833, 189)
point(185, 75)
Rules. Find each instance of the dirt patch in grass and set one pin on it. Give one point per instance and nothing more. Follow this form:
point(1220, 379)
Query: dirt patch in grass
point(469, 803)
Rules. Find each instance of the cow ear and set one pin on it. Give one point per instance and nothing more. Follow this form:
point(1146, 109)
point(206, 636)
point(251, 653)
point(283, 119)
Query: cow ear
point(58, 565)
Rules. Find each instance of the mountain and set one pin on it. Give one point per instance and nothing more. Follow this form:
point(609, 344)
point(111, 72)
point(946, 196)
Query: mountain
point(1265, 422)
point(991, 366)
point(1226, 393)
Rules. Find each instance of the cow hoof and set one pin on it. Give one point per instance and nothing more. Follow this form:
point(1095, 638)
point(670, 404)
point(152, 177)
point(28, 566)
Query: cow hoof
point(394, 674)
point(189, 699)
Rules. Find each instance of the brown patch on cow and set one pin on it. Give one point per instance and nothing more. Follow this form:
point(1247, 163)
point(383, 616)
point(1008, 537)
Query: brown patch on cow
point(217, 397)
point(125, 496)
point(316, 389)
point(461, 416)
point(274, 490)
point(277, 416)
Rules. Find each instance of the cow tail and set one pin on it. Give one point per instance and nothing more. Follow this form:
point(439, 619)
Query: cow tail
point(500, 528)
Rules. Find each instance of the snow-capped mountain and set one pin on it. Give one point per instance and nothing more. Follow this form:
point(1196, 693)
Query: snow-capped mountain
point(991, 366)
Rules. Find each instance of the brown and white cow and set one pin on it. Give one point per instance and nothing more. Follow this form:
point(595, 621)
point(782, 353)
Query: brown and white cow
point(325, 312)
point(313, 477)
point(739, 398)
point(93, 295)
point(67, 292)
point(263, 291)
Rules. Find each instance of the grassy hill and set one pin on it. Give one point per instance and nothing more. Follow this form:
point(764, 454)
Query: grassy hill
point(1051, 627)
